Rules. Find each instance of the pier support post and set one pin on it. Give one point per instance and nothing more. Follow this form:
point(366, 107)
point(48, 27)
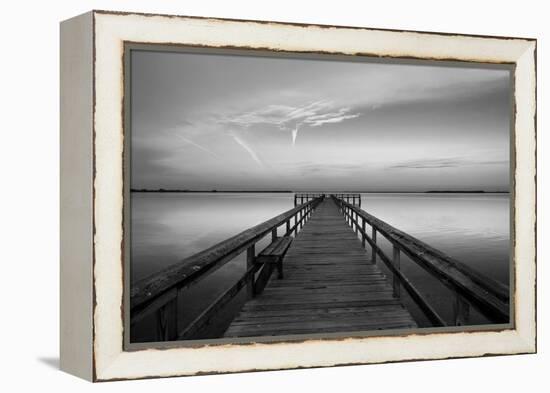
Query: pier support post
point(397, 265)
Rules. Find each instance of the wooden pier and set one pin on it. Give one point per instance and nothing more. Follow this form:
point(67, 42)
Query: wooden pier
point(329, 285)
point(329, 278)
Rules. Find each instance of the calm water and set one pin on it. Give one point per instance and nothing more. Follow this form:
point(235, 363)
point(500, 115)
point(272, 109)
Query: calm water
point(166, 228)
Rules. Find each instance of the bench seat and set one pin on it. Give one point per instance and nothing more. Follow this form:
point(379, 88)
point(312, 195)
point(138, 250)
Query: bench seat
point(270, 257)
point(275, 251)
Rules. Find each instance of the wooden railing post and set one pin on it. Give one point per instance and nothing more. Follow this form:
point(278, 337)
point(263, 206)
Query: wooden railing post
point(167, 321)
point(363, 232)
point(274, 234)
point(250, 255)
point(373, 256)
point(397, 265)
point(461, 311)
point(288, 227)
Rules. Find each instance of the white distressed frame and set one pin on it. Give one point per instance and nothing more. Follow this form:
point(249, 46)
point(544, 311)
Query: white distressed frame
point(110, 32)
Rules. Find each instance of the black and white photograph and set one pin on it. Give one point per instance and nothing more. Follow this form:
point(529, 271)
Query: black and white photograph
point(286, 195)
point(212, 196)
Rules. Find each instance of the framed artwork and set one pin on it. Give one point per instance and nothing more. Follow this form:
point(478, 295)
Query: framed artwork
point(247, 195)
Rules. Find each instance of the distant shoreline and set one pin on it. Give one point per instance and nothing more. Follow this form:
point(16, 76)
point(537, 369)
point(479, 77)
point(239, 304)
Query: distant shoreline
point(211, 191)
point(162, 190)
point(467, 192)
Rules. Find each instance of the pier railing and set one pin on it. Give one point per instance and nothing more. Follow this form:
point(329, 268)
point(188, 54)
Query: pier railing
point(158, 294)
point(488, 296)
point(353, 198)
point(302, 197)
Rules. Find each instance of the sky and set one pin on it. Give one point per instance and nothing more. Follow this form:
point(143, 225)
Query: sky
point(229, 122)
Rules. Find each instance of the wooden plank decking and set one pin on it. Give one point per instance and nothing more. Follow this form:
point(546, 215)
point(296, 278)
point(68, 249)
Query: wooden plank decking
point(329, 286)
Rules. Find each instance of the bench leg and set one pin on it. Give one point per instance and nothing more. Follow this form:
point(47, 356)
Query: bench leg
point(280, 269)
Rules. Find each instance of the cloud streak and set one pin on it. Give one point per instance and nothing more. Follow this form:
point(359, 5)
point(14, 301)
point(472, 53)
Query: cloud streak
point(295, 134)
point(190, 142)
point(332, 117)
point(241, 142)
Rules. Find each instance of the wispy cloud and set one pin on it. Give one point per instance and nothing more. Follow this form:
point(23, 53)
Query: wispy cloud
point(247, 148)
point(295, 134)
point(190, 142)
point(291, 118)
point(445, 163)
point(331, 117)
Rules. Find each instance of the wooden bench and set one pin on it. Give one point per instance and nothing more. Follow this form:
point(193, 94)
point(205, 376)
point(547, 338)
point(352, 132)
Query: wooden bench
point(270, 257)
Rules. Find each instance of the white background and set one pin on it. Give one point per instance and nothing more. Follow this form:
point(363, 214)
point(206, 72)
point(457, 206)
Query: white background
point(29, 211)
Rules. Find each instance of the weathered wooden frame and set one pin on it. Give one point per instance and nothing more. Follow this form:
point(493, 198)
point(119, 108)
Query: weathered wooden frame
point(92, 187)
